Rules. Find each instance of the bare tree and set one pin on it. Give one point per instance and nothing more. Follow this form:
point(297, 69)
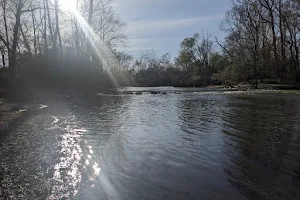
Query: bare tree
point(19, 6)
point(264, 29)
point(108, 25)
point(90, 21)
point(6, 39)
point(57, 31)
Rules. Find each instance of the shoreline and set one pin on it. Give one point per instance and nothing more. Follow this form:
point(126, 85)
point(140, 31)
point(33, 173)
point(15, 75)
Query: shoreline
point(263, 86)
point(10, 96)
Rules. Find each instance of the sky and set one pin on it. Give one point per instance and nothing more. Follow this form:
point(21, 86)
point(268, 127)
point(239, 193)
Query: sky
point(161, 25)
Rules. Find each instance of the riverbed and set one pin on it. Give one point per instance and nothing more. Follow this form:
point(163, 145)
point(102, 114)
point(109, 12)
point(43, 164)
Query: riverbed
point(186, 144)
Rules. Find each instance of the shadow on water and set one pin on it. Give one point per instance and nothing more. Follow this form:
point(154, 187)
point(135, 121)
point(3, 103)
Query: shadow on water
point(262, 138)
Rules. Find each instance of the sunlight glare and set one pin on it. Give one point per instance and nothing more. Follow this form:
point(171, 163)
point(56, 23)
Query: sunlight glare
point(69, 5)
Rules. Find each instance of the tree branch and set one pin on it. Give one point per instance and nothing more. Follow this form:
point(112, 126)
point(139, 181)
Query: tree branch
point(224, 48)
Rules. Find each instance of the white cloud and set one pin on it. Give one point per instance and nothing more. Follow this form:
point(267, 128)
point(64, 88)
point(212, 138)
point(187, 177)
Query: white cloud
point(137, 45)
point(136, 3)
point(145, 26)
point(150, 34)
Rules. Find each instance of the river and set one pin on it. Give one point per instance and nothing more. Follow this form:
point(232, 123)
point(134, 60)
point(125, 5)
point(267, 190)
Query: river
point(187, 144)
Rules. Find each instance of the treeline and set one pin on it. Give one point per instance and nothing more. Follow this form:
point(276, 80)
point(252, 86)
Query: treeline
point(262, 42)
point(50, 46)
point(261, 46)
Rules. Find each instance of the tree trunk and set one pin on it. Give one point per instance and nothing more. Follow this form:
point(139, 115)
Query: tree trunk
point(296, 59)
point(77, 39)
point(77, 34)
point(256, 59)
point(15, 39)
point(282, 42)
point(25, 41)
point(6, 30)
point(39, 43)
point(34, 33)
point(90, 21)
point(274, 37)
point(57, 32)
point(54, 48)
point(45, 29)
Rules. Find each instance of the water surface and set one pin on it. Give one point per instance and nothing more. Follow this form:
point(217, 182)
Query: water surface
point(188, 144)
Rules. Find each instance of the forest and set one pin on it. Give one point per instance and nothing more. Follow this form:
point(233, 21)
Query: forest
point(48, 45)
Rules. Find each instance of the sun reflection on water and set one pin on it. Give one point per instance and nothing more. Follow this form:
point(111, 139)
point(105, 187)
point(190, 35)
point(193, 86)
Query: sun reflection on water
point(97, 169)
point(42, 106)
point(67, 174)
point(95, 172)
point(77, 170)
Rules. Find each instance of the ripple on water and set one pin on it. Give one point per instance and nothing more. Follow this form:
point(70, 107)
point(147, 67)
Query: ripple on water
point(189, 146)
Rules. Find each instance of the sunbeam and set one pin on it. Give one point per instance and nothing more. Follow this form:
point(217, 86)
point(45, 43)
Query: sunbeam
point(105, 55)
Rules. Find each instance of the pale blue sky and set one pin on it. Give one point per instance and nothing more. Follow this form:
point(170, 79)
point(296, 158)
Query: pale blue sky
point(162, 24)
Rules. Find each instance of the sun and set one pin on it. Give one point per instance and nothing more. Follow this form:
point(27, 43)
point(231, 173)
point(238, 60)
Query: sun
point(69, 5)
